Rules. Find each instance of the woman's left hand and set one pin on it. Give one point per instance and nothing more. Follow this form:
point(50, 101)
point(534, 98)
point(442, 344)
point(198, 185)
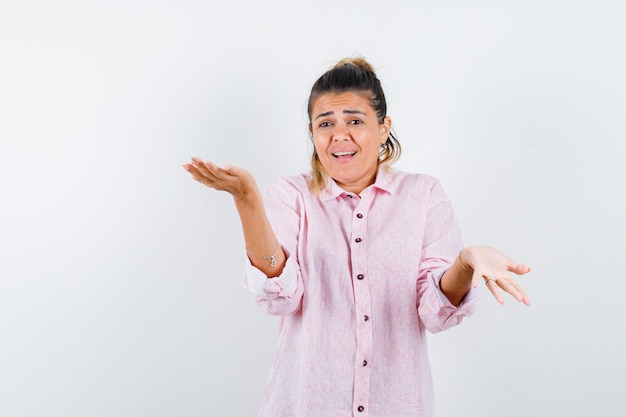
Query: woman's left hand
point(495, 269)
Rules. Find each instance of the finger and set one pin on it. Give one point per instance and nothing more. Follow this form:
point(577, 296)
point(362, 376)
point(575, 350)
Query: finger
point(233, 170)
point(227, 172)
point(192, 169)
point(525, 298)
point(219, 174)
point(199, 176)
point(197, 162)
point(492, 285)
point(205, 181)
point(195, 168)
point(207, 168)
point(212, 175)
point(521, 295)
point(513, 288)
point(201, 166)
point(519, 269)
point(477, 278)
point(196, 174)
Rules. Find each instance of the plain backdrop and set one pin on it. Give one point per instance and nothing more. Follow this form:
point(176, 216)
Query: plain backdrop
point(120, 276)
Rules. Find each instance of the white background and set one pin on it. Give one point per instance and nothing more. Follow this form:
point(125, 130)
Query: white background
point(120, 276)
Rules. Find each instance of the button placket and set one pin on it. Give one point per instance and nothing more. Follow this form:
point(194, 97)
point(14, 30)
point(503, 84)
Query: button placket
point(362, 303)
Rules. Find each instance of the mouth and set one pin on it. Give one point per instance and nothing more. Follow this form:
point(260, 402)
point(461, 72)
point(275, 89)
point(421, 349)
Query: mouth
point(343, 155)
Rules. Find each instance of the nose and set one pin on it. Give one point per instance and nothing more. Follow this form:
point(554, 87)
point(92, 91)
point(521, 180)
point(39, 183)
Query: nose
point(341, 132)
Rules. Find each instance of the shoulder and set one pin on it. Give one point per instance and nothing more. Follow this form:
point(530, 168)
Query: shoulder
point(415, 188)
point(402, 180)
point(293, 184)
point(289, 190)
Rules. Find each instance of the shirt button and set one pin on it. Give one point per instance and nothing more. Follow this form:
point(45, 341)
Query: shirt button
point(360, 216)
point(364, 363)
point(360, 276)
point(360, 408)
point(366, 318)
point(357, 240)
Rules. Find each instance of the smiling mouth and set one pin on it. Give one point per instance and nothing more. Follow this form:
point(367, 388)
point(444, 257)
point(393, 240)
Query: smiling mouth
point(343, 154)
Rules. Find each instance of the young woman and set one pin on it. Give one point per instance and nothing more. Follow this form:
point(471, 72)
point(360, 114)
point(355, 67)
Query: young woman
point(358, 259)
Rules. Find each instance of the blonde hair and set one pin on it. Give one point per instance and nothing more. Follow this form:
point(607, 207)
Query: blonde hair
point(358, 76)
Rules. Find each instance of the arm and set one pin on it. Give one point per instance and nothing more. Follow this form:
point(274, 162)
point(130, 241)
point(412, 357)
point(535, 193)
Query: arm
point(477, 263)
point(259, 237)
point(450, 295)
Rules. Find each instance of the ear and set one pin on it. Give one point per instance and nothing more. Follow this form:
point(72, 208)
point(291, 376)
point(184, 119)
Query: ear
point(385, 129)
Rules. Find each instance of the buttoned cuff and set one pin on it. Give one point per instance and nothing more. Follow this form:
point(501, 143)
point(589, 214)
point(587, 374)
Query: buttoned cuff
point(259, 284)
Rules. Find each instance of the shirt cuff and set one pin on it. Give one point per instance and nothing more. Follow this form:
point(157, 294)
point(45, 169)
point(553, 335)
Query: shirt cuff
point(469, 303)
point(259, 284)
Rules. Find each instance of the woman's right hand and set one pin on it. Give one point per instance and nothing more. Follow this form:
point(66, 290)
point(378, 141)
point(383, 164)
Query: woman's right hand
point(234, 180)
point(257, 231)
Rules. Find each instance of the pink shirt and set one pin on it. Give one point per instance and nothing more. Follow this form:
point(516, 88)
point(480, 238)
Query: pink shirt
point(358, 291)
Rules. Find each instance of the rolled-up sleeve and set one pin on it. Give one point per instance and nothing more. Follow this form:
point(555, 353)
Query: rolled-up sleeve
point(436, 311)
point(284, 285)
point(282, 294)
point(442, 243)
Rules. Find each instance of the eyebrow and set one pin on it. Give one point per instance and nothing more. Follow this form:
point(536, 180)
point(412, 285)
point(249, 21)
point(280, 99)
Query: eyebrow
point(328, 113)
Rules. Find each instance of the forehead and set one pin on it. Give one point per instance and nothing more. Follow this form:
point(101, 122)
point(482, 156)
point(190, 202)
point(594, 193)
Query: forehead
point(348, 100)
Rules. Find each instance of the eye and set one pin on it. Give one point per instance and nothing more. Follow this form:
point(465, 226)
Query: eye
point(324, 124)
point(356, 122)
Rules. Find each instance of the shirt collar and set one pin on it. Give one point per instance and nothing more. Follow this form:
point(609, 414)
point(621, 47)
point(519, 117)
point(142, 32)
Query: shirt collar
point(383, 182)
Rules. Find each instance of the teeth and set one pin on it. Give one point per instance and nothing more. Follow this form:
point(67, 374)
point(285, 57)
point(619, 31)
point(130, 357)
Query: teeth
point(343, 153)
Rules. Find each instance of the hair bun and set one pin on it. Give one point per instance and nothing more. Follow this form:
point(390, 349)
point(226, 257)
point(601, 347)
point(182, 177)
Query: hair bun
point(358, 62)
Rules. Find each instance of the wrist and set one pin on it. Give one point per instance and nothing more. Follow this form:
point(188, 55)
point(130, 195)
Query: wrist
point(249, 199)
point(466, 259)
